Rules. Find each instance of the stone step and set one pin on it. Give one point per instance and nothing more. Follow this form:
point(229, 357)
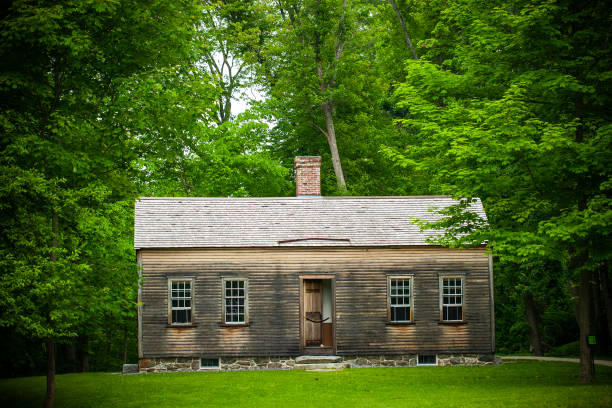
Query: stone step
point(317, 359)
point(130, 369)
point(322, 366)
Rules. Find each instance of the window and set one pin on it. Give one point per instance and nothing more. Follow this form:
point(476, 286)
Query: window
point(209, 363)
point(427, 359)
point(451, 299)
point(235, 301)
point(399, 299)
point(180, 301)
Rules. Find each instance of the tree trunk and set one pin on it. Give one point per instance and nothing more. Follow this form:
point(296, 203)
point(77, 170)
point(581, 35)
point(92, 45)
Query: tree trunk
point(50, 396)
point(575, 304)
point(597, 317)
point(406, 35)
point(333, 147)
point(125, 345)
point(607, 296)
point(587, 367)
point(533, 319)
point(84, 354)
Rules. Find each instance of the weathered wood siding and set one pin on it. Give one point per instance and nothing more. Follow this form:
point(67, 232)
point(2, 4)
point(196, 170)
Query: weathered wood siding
point(274, 324)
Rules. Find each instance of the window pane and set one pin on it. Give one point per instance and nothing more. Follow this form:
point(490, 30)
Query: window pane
point(426, 359)
point(180, 296)
point(452, 299)
point(209, 363)
point(235, 295)
point(453, 313)
point(181, 316)
point(399, 294)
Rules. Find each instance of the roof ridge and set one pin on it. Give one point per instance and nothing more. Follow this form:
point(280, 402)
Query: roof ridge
point(298, 198)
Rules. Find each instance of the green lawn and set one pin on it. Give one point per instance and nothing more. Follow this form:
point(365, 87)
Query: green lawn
point(514, 384)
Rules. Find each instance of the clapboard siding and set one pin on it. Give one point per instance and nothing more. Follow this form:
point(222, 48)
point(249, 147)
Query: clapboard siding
point(274, 284)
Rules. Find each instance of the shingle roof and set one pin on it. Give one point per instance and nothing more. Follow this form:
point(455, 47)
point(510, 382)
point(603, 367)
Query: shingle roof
point(265, 222)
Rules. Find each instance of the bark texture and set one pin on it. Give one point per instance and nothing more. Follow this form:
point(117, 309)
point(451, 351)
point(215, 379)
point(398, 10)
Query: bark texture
point(50, 396)
point(533, 318)
point(607, 296)
point(327, 80)
point(587, 366)
point(404, 29)
point(333, 146)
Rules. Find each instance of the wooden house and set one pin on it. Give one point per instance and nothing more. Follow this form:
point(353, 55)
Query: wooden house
point(245, 283)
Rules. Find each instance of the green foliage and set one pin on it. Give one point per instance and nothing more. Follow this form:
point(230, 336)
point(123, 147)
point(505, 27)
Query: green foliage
point(67, 153)
point(567, 350)
point(509, 104)
point(357, 84)
point(524, 129)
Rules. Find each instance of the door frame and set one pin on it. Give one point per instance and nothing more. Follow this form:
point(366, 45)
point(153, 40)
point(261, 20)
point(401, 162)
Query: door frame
point(302, 278)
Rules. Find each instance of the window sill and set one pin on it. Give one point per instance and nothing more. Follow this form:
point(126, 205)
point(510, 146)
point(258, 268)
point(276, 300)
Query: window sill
point(234, 325)
point(182, 326)
point(399, 323)
point(453, 323)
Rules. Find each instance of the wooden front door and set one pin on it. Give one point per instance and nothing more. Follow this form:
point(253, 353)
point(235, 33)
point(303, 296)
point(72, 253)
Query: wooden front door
point(313, 312)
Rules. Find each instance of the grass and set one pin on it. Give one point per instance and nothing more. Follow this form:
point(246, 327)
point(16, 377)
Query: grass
point(515, 384)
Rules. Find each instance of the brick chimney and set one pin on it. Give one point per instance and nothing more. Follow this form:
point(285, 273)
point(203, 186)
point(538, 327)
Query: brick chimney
point(308, 176)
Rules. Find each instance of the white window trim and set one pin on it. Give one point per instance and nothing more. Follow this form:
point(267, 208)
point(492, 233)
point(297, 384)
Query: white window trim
point(246, 301)
point(411, 305)
point(441, 297)
point(217, 368)
point(170, 308)
point(427, 365)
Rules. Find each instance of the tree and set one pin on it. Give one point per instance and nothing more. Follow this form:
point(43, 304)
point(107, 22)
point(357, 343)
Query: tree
point(312, 36)
point(230, 31)
point(509, 104)
point(67, 156)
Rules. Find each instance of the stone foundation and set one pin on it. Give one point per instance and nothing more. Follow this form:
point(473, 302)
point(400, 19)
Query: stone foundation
point(257, 363)
point(155, 365)
point(160, 365)
point(410, 360)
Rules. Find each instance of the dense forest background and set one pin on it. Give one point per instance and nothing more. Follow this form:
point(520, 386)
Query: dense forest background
point(104, 101)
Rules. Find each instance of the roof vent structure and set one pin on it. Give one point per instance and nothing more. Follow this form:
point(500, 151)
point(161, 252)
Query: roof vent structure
point(308, 176)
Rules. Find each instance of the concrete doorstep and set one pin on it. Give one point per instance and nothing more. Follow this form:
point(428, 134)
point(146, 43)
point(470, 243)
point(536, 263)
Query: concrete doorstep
point(130, 369)
point(317, 359)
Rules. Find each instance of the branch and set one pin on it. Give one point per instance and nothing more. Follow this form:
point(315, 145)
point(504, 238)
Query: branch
point(340, 41)
point(212, 63)
point(319, 129)
point(406, 35)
